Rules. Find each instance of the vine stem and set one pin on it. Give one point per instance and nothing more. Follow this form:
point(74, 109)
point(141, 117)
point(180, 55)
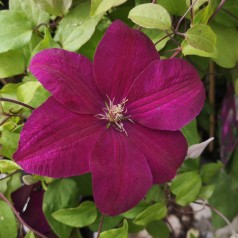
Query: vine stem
point(217, 10)
point(11, 174)
point(19, 217)
point(100, 225)
point(17, 102)
point(181, 19)
point(219, 214)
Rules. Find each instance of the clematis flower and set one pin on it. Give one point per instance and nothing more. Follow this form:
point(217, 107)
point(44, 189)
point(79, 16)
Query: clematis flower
point(118, 117)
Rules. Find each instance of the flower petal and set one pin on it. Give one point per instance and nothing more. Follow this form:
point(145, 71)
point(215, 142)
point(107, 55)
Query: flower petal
point(165, 151)
point(56, 142)
point(167, 95)
point(121, 56)
point(69, 77)
point(121, 175)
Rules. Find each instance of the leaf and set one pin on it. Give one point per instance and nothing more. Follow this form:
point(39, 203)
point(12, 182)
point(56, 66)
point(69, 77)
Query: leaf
point(121, 232)
point(186, 187)
point(54, 7)
point(8, 166)
point(190, 132)
point(197, 5)
point(29, 234)
point(8, 63)
point(9, 141)
point(135, 211)
point(77, 27)
point(206, 192)
point(154, 212)
point(81, 216)
point(201, 37)
point(151, 15)
point(55, 199)
point(209, 171)
point(158, 229)
point(101, 6)
point(15, 30)
point(174, 7)
point(29, 8)
point(13, 184)
point(8, 225)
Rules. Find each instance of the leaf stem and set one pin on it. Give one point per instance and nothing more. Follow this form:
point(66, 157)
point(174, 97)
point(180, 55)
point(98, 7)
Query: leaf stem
point(191, 11)
point(19, 217)
point(9, 175)
point(17, 102)
point(100, 225)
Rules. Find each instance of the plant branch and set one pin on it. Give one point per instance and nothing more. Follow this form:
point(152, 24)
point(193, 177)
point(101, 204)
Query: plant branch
point(217, 10)
point(100, 225)
point(191, 11)
point(9, 175)
point(19, 217)
point(17, 102)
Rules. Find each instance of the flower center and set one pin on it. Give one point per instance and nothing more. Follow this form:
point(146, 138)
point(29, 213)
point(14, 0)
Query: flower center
point(115, 114)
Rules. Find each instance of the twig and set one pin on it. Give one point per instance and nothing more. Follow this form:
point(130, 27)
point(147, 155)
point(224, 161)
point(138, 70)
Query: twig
point(169, 51)
point(17, 102)
point(19, 217)
point(170, 34)
point(217, 10)
point(176, 53)
point(191, 11)
point(181, 19)
point(100, 225)
point(9, 175)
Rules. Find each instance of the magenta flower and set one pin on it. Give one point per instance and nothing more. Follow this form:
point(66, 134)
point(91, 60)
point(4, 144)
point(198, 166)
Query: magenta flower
point(118, 117)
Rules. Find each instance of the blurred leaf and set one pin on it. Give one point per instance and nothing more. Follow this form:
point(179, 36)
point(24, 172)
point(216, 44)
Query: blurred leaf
point(81, 216)
point(77, 27)
point(209, 171)
point(174, 7)
point(9, 141)
point(151, 15)
point(121, 232)
point(55, 199)
point(8, 66)
point(201, 37)
point(133, 228)
point(155, 194)
point(84, 183)
point(190, 132)
point(29, 234)
point(8, 225)
point(15, 30)
point(206, 192)
point(13, 184)
point(101, 6)
point(158, 229)
point(154, 212)
point(54, 7)
point(8, 166)
point(135, 211)
point(29, 8)
point(186, 187)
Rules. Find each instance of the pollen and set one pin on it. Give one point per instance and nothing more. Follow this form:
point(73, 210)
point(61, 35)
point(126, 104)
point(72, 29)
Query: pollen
point(115, 114)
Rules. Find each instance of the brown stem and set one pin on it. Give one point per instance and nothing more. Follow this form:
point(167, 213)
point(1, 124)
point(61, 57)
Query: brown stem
point(212, 103)
point(19, 217)
point(170, 34)
point(176, 53)
point(17, 102)
point(217, 10)
point(9, 175)
point(100, 225)
point(191, 11)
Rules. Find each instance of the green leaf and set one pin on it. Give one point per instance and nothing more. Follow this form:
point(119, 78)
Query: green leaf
point(227, 46)
point(190, 132)
point(15, 30)
point(209, 171)
point(201, 37)
point(121, 232)
point(84, 183)
point(197, 4)
point(55, 199)
point(8, 166)
point(81, 216)
point(155, 194)
point(46, 43)
point(186, 187)
point(135, 211)
point(206, 192)
point(9, 141)
point(151, 15)
point(174, 7)
point(77, 27)
point(101, 6)
point(154, 212)
point(29, 234)
point(158, 229)
point(8, 225)
point(54, 7)
point(8, 63)
point(29, 8)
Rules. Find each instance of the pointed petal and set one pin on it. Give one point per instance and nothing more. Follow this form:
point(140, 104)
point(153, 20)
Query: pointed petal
point(165, 151)
point(121, 175)
point(167, 95)
point(121, 56)
point(69, 77)
point(56, 142)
